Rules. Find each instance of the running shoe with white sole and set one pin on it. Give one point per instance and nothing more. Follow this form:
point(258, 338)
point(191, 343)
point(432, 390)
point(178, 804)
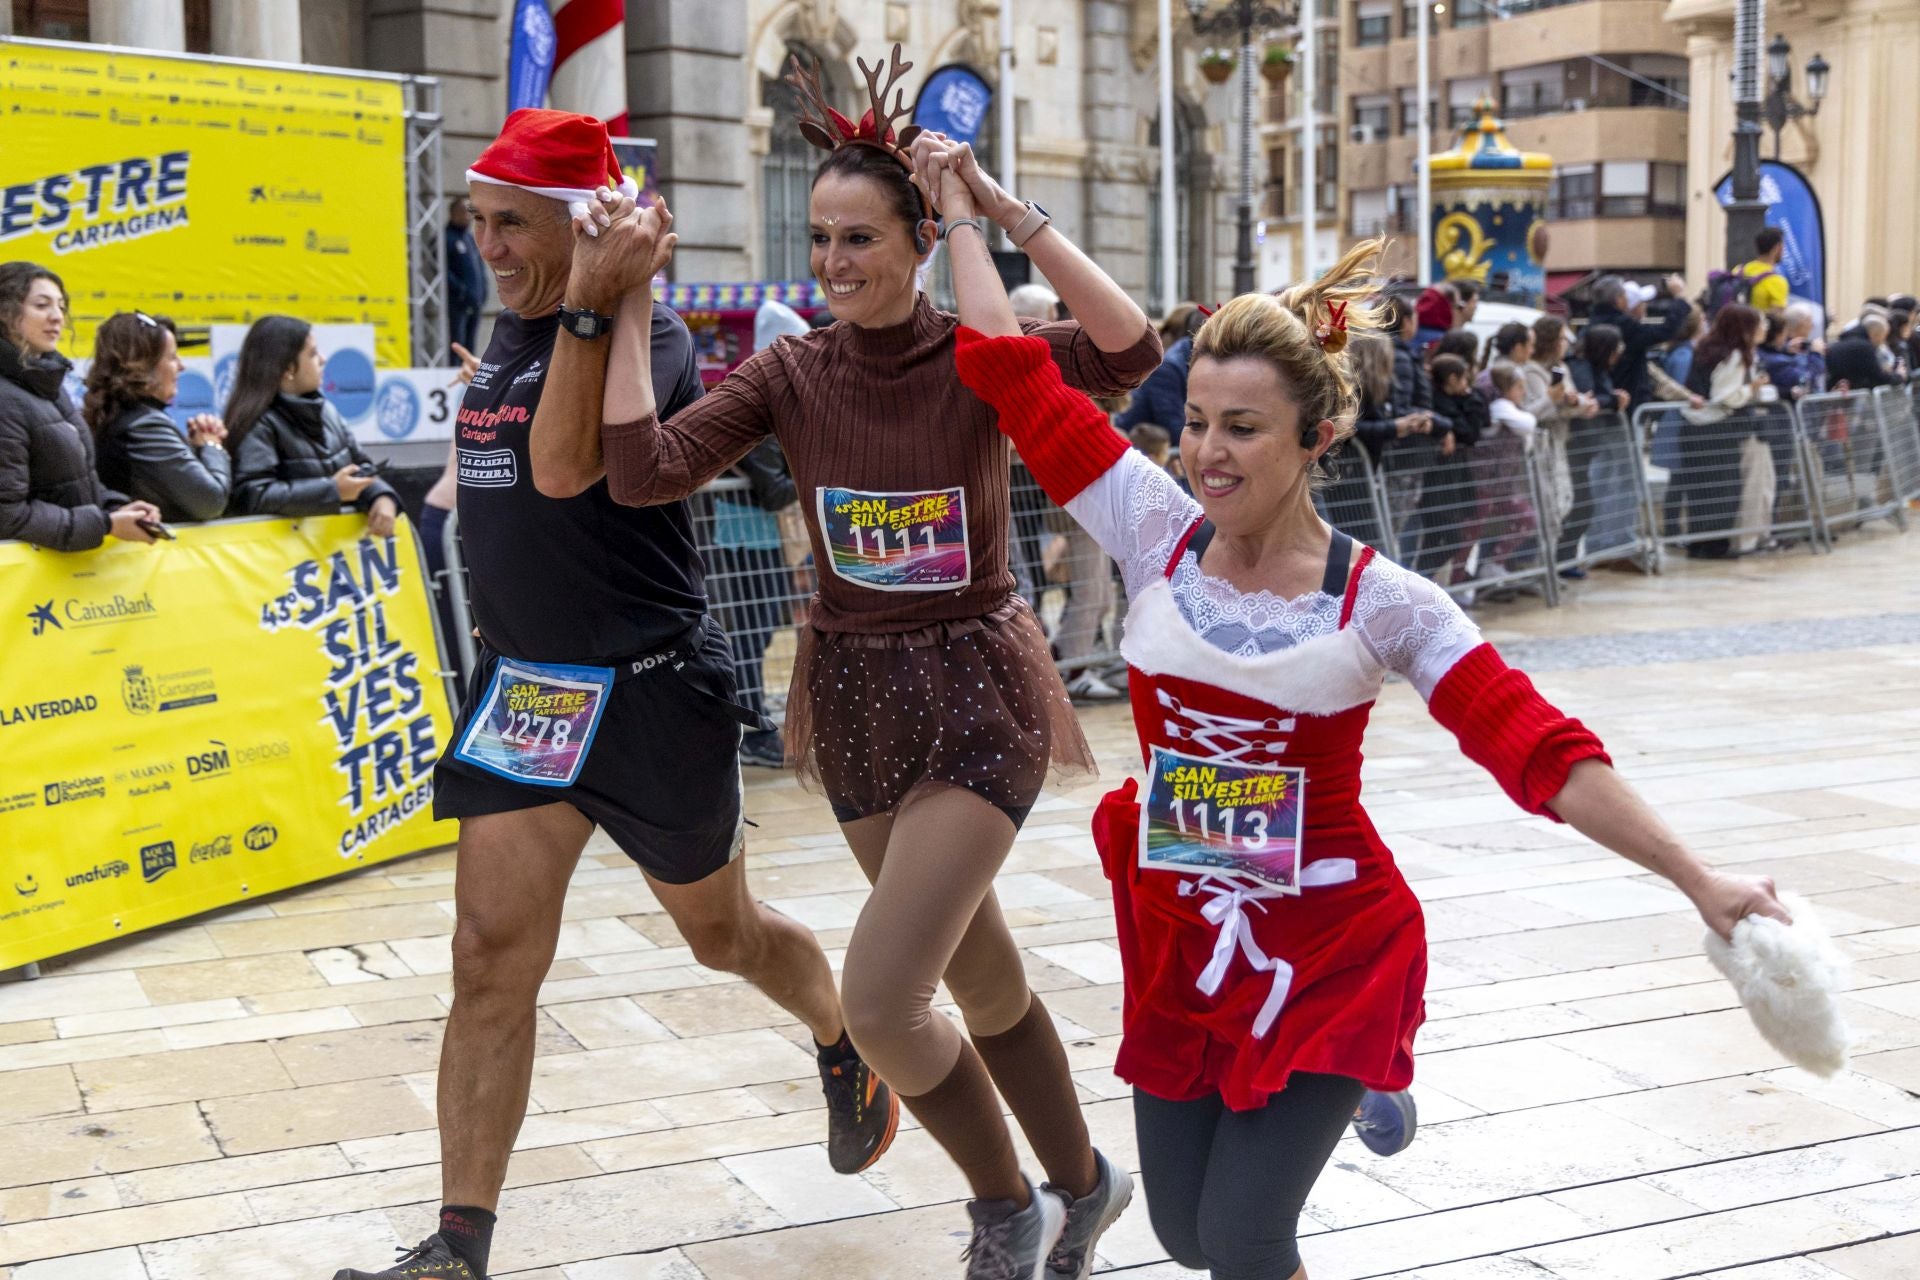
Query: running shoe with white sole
point(1088, 687)
point(1087, 1220)
point(1010, 1244)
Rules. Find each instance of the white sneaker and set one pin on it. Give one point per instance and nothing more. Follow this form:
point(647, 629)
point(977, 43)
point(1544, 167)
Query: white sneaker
point(1088, 687)
point(1009, 1245)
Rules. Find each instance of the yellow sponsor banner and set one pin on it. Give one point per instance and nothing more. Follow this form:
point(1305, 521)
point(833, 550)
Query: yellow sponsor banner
point(200, 722)
point(213, 192)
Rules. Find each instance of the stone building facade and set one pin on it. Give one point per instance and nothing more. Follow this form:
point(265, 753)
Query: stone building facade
point(703, 78)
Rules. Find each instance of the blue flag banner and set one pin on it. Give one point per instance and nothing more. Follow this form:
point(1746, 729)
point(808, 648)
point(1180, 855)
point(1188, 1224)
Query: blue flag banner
point(530, 61)
point(953, 101)
point(1792, 207)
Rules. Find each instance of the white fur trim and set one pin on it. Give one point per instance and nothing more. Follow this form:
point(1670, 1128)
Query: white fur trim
point(576, 199)
point(1788, 977)
point(1321, 677)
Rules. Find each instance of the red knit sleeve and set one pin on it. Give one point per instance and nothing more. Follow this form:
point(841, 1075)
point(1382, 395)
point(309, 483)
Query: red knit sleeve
point(1507, 728)
point(1061, 435)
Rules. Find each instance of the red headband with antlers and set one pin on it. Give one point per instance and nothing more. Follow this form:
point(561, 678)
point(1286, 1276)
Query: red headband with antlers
point(827, 129)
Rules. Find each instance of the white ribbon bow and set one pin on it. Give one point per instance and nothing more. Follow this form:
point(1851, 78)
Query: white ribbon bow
point(1227, 911)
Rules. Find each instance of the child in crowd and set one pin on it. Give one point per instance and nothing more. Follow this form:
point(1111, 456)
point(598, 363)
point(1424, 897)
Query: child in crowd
point(1449, 502)
point(1153, 440)
point(1506, 512)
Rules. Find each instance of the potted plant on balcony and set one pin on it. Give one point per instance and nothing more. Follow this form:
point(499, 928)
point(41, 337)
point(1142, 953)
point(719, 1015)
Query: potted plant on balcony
point(1217, 66)
point(1276, 64)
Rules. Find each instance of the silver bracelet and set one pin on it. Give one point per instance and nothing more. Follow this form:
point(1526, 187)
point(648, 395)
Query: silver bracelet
point(978, 224)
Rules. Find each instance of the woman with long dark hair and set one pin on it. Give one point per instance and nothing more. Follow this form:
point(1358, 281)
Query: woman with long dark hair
point(924, 702)
point(49, 494)
point(135, 373)
point(293, 456)
point(1721, 458)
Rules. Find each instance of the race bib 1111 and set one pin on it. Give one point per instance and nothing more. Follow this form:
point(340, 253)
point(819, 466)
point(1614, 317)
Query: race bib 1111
point(1201, 816)
point(897, 541)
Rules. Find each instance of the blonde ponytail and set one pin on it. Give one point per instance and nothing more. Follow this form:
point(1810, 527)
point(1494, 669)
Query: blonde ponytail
point(1303, 332)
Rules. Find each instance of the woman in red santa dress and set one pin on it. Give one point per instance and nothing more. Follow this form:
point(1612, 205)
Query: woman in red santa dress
point(1275, 958)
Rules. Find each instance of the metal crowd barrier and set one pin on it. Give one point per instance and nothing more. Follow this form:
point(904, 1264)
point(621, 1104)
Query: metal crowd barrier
point(1736, 483)
point(1470, 521)
point(1485, 524)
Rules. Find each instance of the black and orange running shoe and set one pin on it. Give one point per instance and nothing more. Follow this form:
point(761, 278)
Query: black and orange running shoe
point(863, 1114)
point(431, 1259)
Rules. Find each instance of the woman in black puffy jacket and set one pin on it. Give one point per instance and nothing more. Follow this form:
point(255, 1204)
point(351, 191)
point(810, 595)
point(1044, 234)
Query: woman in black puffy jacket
point(292, 455)
point(135, 373)
point(49, 494)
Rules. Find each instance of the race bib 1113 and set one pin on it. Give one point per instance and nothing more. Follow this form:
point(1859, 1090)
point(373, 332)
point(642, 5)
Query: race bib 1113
point(1201, 816)
point(897, 541)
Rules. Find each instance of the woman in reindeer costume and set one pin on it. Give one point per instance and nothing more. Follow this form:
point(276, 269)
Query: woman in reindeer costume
point(925, 702)
point(1275, 959)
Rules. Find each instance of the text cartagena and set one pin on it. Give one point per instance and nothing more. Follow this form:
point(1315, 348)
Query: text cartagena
point(99, 204)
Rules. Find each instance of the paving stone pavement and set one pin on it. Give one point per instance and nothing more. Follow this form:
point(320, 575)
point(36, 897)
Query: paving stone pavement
point(250, 1093)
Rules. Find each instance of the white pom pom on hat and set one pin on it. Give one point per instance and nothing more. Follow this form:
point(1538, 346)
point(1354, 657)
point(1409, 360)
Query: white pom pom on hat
point(558, 154)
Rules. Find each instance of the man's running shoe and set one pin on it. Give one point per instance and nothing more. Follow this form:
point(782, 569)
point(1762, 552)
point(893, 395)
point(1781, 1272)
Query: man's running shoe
point(431, 1259)
point(1011, 1244)
point(1385, 1122)
point(765, 749)
point(1087, 1220)
point(863, 1114)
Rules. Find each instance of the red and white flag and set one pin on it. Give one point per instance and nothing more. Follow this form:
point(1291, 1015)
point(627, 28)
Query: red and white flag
point(590, 60)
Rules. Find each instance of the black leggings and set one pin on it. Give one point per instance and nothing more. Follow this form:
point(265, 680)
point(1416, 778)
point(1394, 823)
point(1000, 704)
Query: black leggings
point(1225, 1188)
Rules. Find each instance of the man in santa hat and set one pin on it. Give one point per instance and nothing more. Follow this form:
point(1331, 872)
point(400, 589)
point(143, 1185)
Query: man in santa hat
point(604, 697)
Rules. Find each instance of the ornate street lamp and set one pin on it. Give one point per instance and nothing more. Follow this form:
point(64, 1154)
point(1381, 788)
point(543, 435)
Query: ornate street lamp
point(1781, 106)
point(1243, 18)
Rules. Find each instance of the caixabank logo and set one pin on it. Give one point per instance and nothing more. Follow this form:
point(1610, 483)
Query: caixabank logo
point(156, 860)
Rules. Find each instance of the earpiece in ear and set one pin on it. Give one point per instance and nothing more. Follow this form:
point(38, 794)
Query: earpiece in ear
point(1309, 437)
point(920, 242)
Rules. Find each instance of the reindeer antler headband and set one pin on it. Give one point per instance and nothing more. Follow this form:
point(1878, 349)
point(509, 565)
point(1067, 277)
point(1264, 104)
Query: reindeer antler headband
point(827, 129)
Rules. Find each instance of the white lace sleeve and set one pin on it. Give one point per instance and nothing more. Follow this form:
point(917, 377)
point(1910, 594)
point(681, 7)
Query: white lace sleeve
point(1411, 625)
point(1136, 512)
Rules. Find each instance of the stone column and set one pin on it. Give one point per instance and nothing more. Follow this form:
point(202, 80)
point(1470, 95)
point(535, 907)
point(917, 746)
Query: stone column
point(686, 91)
point(1116, 205)
point(139, 24)
point(268, 30)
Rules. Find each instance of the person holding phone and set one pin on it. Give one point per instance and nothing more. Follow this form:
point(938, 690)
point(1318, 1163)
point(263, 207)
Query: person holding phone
point(49, 494)
point(293, 455)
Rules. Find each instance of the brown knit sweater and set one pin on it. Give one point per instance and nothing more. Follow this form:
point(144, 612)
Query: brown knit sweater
point(874, 410)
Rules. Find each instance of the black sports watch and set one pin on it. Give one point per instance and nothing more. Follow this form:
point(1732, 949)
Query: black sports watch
point(584, 325)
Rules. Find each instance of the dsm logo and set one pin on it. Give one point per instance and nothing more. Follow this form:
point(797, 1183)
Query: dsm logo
point(214, 762)
point(136, 690)
point(156, 860)
point(261, 836)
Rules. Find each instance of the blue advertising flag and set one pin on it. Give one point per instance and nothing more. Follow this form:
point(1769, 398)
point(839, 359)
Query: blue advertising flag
point(530, 60)
point(953, 101)
point(1792, 207)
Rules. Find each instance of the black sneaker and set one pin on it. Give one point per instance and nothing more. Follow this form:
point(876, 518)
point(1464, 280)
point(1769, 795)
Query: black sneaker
point(862, 1115)
point(764, 749)
point(431, 1259)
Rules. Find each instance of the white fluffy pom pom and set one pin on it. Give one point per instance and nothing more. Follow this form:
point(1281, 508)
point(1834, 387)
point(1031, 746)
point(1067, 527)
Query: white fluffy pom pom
point(1789, 978)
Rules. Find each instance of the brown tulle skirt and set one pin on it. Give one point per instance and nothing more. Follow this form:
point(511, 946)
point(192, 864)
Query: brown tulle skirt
point(975, 703)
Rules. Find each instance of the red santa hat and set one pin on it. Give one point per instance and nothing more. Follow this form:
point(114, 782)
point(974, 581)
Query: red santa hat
point(558, 154)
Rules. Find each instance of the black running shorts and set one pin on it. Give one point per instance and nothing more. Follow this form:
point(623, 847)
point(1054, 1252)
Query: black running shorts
point(662, 777)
